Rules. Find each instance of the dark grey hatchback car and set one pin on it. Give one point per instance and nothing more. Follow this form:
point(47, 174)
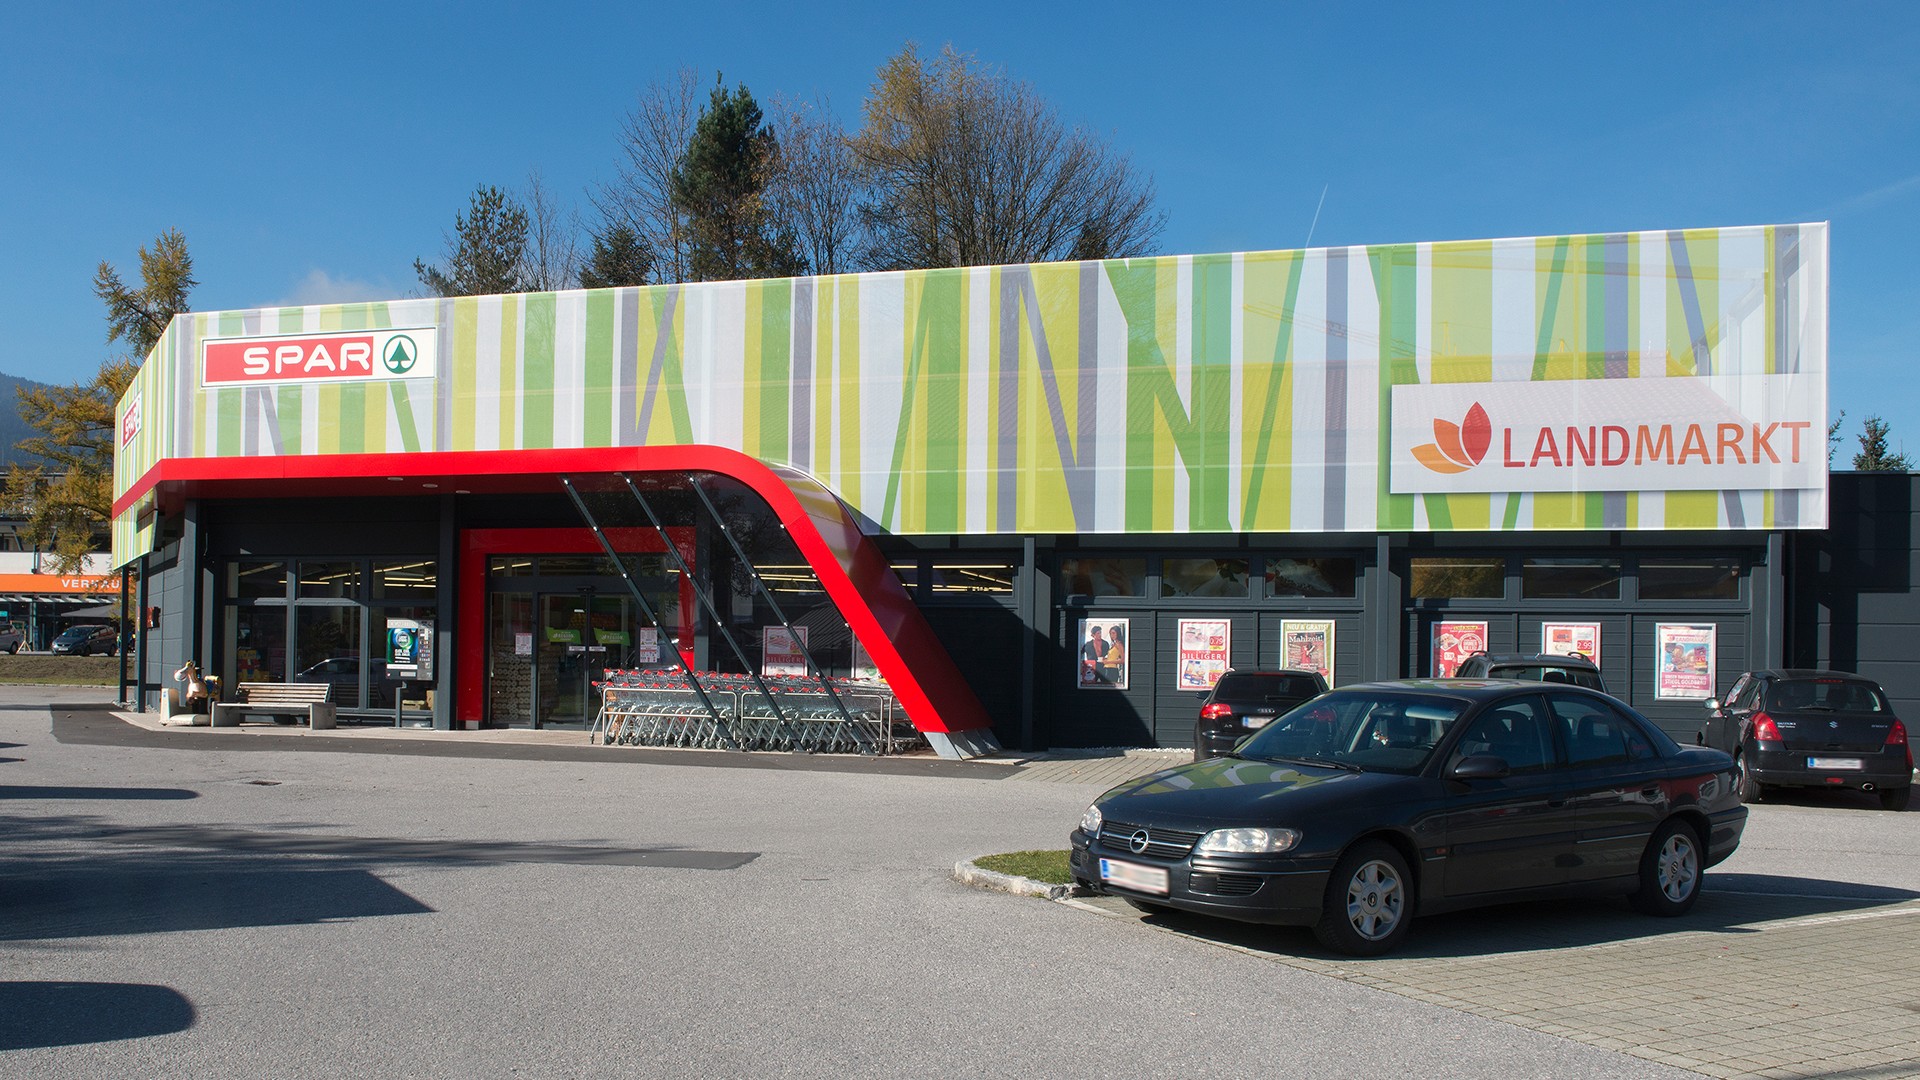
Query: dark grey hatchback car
point(1374, 803)
point(1804, 728)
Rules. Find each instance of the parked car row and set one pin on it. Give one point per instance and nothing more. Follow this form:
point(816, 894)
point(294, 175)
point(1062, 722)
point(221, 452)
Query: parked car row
point(1353, 810)
point(87, 639)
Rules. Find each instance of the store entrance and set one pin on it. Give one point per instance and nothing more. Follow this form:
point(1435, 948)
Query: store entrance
point(549, 648)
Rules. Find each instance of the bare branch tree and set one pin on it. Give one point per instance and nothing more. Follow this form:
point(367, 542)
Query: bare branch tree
point(819, 185)
point(551, 259)
point(653, 140)
point(968, 167)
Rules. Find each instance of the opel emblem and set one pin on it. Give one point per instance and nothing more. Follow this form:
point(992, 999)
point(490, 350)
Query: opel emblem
point(1833, 723)
point(1137, 843)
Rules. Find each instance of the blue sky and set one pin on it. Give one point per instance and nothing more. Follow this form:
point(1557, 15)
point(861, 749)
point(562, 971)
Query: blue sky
point(313, 157)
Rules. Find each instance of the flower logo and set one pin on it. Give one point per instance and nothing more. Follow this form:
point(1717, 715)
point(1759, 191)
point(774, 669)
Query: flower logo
point(1457, 447)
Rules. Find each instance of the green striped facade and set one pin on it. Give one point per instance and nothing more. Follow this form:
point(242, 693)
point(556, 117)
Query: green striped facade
point(1211, 393)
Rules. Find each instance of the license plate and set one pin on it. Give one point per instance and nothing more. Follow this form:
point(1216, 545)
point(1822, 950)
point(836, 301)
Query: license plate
point(1146, 879)
point(1256, 721)
point(1851, 763)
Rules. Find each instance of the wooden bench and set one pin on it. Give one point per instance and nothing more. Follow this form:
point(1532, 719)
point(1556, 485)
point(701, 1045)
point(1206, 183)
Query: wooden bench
point(310, 701)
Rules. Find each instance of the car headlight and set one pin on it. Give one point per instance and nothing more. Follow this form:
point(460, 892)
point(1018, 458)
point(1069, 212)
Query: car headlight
point(1247, 841)
point(1090, 821)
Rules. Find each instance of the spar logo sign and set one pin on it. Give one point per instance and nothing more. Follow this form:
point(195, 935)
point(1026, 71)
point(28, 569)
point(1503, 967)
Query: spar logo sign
point(130, 422)
point(337, 357)
point(1457, 447)
point(1706, 433)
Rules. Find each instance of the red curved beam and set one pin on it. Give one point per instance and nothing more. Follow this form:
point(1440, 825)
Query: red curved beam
point(855, 574)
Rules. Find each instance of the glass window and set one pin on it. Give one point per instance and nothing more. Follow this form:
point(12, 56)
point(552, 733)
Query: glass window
point(908, 571)
point(1080, 576)
point(1225, 577)
point(328, 643)
point(972, 578)
point(1377, 731)
point(407, 579)
point(259, 581)
point(1689, 579)
point(510, 566)
point(1597, 735)
point(791, 582)
point(259, 645)
point(1449, 577)
point(575, 566)
point(329, 581)
point(1570, 579)
point(1515, 731)
point(1286, 576)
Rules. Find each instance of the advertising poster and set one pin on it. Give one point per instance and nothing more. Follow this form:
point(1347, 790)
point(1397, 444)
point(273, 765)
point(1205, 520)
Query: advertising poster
point(647, 649)
point(779, 654)
point(1102, 663)
point(1566, 638)
point(1204, 648)
point(1684, 661)
point(1307, 646)
point(864, 669)
point(1454, 642)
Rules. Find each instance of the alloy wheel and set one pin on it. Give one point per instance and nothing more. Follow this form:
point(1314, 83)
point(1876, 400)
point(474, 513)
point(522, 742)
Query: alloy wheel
point(1376, 900)
point(1679, 867)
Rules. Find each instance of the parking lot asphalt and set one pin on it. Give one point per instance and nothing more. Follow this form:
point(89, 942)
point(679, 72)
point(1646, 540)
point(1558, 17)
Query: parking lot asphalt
point(188, 901)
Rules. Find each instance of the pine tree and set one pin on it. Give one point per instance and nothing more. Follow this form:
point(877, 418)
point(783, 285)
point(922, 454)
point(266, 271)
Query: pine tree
point(720, 185)
point(618, 258)
point(1874, 455)
point(487, 252)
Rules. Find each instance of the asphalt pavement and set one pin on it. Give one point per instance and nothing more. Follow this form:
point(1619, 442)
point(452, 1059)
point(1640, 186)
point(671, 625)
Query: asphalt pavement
point(288, 907)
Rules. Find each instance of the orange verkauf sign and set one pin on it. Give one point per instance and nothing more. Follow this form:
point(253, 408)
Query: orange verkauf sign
point(81, 584)
point(341, 356)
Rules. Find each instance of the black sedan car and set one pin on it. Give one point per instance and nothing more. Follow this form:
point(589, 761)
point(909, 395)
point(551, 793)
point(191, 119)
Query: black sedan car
point(1375, 803)
point(1243, 702)
point(1804, 728)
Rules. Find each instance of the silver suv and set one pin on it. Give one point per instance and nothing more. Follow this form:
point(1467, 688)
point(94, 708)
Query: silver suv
point(1539, 667)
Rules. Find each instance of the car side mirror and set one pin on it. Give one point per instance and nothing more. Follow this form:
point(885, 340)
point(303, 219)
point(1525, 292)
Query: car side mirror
point(1480, 767)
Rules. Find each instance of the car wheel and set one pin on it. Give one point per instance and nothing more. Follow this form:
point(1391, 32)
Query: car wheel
point(1751, 789)
point(1894, 798)
point(13, 648)
point(1669, 871)
point(1368, 908)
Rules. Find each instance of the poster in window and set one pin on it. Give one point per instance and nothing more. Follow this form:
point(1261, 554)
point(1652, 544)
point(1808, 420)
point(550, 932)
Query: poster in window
point(864, 669)
point(646, 649)
point(1102, 663)
point(1205, 645)
point(779, 653)
point(1307, 645)
point(1684, 661)
point(1454, 642)
point(1568, 638)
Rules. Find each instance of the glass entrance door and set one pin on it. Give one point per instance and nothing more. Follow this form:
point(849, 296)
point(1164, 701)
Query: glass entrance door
point(546, 650)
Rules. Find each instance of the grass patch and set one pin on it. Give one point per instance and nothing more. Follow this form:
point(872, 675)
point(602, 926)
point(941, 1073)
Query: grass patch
point(45, 669)
point(1048, 867)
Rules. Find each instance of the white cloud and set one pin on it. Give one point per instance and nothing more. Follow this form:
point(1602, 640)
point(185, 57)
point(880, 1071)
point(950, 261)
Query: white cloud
point(320, 287)
point(1867, 200)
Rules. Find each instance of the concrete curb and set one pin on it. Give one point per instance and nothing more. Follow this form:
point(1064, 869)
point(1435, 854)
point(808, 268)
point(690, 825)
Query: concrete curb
point(966, 873)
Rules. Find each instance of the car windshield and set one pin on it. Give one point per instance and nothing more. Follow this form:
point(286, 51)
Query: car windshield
point(1545, 673)
point(1825, 695)
point(1371, 730)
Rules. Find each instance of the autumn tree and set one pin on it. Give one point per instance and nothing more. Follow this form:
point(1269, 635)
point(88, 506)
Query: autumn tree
point(968, 167)
point(67, 497)
point(720, 186)
point(615, 258)
point(1874, 455)
point(486, 253)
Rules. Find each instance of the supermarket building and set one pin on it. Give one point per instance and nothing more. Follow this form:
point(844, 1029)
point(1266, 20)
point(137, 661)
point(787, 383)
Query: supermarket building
point(1369, 459)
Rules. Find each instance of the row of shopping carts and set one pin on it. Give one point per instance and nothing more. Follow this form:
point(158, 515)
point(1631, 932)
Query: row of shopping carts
point(651, 707)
